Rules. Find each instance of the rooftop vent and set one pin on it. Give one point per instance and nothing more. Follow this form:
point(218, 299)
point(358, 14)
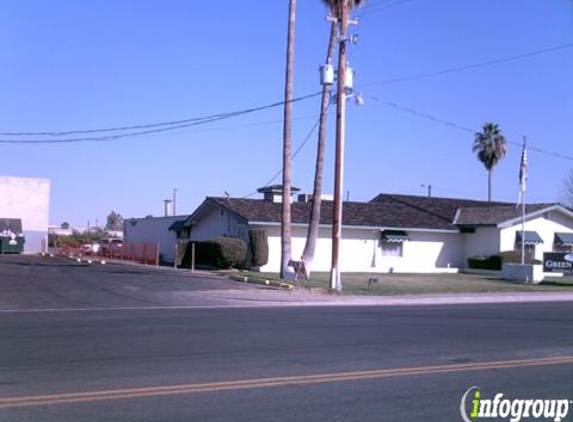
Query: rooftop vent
point(274, 193)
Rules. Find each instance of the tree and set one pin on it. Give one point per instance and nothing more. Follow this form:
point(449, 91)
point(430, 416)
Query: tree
point(568, 189)
point(114, 221)
point(490, 146)
point(65, 225)
point(312, 234)
point(287, 143)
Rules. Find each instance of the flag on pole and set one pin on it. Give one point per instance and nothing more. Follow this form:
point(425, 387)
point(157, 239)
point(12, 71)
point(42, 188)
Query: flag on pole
point(522, 175)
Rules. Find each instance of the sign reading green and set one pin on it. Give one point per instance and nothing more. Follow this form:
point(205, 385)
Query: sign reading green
point(554, 262)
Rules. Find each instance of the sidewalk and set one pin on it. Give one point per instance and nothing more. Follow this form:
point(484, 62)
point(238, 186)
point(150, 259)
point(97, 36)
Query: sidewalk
point(272, 298)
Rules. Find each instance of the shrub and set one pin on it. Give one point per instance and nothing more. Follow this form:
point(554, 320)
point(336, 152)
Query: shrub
point(480, 262)
point(514, 257)
point(221, 252)
point(259, 247)
point(495, 262)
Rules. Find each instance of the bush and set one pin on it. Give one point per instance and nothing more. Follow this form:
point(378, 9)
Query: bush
point(221, 252)
point(480, 262)
point(259, 247)
point(495, 262)
point(514, 257)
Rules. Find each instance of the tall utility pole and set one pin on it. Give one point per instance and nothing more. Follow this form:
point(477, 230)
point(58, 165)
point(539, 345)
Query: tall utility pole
point(335, 281)
point(173, 209)
point(287, 176)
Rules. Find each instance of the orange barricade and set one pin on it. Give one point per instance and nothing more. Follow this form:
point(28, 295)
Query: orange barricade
point(143, 253)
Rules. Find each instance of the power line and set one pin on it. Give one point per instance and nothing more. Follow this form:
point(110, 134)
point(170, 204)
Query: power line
point(464, 128)
point(471, 66)
point(175, 124)
point(298, 149)
point(380, 7)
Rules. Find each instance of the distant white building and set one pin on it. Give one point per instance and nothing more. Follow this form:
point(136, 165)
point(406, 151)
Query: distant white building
point(29, 200)
point(163, 231)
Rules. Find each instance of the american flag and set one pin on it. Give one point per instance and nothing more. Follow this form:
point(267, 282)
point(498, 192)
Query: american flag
point(522, 175)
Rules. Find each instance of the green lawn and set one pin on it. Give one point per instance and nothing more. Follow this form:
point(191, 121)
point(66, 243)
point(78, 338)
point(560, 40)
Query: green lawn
point(402, 284)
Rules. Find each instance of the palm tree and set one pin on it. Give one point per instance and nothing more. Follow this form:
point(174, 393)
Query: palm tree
point(490, 146)
point(312, 235)
point(287, 143)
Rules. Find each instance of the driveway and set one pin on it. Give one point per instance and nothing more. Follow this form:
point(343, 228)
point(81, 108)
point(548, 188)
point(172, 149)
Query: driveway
point(33, 282)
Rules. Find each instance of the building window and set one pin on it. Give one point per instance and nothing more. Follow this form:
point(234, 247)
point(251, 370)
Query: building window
point(562, 248)
point(392, 248)
point(183, 234)
point(531, 239)
point(563, 242)
point(529, 250)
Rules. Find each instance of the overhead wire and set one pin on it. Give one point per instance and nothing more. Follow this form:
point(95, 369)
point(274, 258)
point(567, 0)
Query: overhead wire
point(296, 152)
point(470, 66)
point(464, 128)
point(171, 125)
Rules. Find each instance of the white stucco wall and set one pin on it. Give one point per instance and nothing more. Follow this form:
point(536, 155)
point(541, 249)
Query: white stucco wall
point(153, 230)
point(485, 241)
point(546, 226)
point(29, 200)
point(218, 222)
point(360, 251)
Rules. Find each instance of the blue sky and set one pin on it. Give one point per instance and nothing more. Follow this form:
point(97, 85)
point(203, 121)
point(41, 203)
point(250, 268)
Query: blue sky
point(69, 65)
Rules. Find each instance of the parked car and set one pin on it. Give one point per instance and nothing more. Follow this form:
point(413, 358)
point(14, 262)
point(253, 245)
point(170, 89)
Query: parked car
point(111, 246)
point(90, 248)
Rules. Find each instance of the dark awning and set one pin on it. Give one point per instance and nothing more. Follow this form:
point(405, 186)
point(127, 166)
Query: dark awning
point(564, 239)
point(531, 238)
point(177, 225)
point(394, 236)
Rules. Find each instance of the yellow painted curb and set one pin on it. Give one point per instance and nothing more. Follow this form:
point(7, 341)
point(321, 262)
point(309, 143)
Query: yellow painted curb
point(261, 281)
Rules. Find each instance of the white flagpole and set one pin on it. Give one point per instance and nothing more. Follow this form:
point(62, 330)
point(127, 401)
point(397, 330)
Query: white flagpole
point(522, 187)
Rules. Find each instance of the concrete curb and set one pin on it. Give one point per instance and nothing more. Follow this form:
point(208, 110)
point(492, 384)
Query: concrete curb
point(261, 281)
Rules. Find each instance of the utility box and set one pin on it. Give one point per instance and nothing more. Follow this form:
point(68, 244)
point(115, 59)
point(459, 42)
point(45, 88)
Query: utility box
point(11, 237)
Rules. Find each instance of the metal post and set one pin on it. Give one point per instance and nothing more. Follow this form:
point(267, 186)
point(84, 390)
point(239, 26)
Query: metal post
point(523, 213)
point(157, 254)
point(192, 257)
point(176, 255)
point(335, 282)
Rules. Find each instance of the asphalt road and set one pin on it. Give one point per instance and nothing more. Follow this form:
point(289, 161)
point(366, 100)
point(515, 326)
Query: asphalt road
point(277, 364)
point(32, 282)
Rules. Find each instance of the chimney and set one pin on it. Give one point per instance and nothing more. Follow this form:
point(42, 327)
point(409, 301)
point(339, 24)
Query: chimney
point(274, 193)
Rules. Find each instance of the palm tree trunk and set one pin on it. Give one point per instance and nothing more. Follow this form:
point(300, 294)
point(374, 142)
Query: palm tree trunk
point(312, 235)
point(287, 144)
point(489, 185)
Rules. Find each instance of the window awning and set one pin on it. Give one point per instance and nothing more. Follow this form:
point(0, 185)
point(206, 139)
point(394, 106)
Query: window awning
point(394, 236)
point(531, 238)
point(177, 225)
point(564, 239)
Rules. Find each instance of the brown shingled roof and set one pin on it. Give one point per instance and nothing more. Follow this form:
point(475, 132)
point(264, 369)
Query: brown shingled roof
point(361, 214)
point(492, 216)
point(445, 208)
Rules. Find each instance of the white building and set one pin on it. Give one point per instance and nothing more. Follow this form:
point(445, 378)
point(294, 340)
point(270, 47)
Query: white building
point(29, 200)
point(163, 231)
point(392, 233)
